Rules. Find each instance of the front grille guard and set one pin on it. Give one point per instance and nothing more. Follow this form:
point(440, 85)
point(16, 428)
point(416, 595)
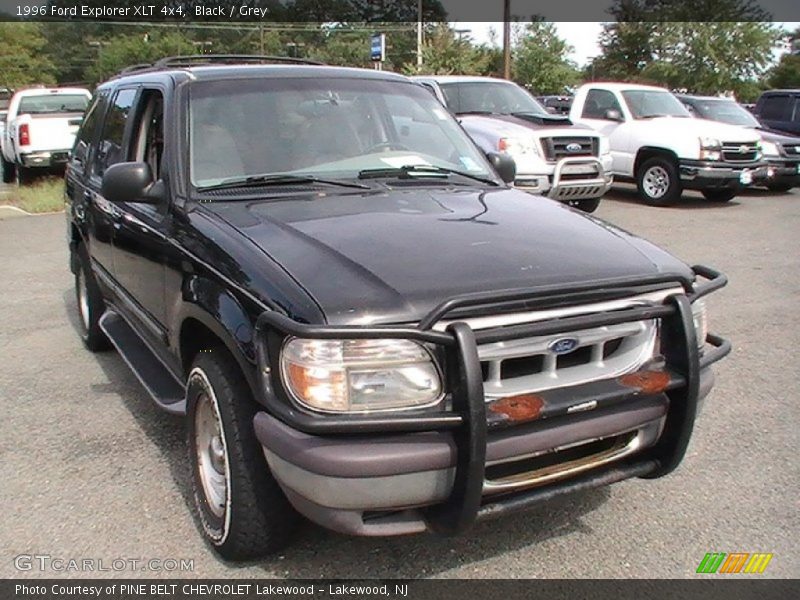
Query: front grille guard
point(467, 416)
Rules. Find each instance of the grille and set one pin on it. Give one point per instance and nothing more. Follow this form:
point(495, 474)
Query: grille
point(528, 365)
point(555, 148)
point(738, 152)
point(791, 150)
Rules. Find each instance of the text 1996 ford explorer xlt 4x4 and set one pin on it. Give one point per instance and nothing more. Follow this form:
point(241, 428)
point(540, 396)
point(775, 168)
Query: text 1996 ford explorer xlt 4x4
point(361, 322)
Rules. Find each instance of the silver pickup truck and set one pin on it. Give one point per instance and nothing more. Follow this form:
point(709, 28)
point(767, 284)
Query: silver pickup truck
point(555, 158)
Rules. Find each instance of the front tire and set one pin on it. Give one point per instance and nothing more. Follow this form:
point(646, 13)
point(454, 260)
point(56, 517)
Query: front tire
point(91, 305)
point(9, 172)
point(779, 187)
point(242, 510)
point(719, 195)
point(658, 182)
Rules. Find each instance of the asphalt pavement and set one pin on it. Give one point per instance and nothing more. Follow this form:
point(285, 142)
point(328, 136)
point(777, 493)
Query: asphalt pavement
point(90, 469)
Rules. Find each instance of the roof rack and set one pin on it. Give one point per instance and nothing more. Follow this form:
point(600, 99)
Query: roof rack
point(194, 59)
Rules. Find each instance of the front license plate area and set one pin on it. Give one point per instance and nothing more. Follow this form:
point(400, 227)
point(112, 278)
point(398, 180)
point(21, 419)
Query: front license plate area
point(745, 178)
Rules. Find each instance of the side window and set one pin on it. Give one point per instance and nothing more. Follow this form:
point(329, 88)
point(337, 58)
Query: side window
point(796, 116)
point(598, 102)
point(774, 108)
point(148, 137)
point(86, 132)
point(110, 149)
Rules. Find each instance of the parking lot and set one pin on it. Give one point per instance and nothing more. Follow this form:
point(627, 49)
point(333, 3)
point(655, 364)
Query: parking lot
point(91, 469)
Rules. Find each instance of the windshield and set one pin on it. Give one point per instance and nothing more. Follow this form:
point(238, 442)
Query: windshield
point(490, 97)
point(53, 103)
point(726, 111)
point(645, 104)
point(322, 127)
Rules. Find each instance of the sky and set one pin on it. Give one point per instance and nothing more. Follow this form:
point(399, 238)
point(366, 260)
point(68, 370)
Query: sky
point(582, 36)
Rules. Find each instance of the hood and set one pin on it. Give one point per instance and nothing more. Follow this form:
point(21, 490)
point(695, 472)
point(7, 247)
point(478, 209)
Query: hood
point(693, 127)
point(778, 137)
point(510, 126)
point(392, 255)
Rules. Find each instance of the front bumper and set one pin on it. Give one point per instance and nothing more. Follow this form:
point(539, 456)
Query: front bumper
point(579, 178)
point(705, 174)
point(408, 472)
point(781, 171)
point(44, 159)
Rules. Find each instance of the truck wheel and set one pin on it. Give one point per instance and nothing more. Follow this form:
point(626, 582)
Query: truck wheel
point(588, 206)
point(779, 187)
point(719, 195)
point(90, 304)
point(9, 172)
point(242, 510)
point(658, 183)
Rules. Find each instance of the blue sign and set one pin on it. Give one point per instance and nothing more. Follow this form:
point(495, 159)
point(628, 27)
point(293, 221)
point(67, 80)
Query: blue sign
point(378, 47)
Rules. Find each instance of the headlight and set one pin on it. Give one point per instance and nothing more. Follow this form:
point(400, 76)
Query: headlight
point(518, 146)
point(700, 321)
point(770, 148)
point(604, 147)
point(359, 375)
point(710, 148)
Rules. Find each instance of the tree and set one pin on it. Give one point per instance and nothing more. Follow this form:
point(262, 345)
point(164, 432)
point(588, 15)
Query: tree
point(445, 54)
point(786, 74)
point(540, 60)
point(21, 59)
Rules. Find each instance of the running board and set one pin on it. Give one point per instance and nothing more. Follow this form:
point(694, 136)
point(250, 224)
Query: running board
point(168, 393)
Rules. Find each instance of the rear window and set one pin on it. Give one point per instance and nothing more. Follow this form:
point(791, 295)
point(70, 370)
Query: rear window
point(53, 104)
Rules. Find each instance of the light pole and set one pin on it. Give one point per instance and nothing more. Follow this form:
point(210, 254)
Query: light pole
point(507, 39)
point(419, 36)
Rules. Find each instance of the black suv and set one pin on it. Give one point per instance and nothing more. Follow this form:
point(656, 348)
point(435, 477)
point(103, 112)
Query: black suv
point(359, 319)
point(780, 109)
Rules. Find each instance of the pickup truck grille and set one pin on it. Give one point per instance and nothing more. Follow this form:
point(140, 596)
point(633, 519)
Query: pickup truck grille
point(738, 152)
point(791, 150)
point(556, 148)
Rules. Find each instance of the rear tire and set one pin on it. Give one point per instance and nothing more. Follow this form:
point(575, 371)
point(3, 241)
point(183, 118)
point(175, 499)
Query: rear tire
point(242, 511)
point(9, 172)
point(658, 182)
point(719, 195)
point(91, 305)
point(587, 206)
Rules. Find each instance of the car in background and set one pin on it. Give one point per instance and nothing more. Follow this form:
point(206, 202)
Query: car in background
point(780, 110)
point(656, 143)
point(554, 157)
point(40, 130)
point(558, 105)
point(781, 151)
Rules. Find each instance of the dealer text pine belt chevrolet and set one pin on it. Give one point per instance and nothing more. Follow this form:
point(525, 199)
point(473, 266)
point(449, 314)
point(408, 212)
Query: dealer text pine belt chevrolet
point(360, 320)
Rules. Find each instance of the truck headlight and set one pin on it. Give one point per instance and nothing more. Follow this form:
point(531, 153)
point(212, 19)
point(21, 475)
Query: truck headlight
point(604, 147)
point(769, 148)
point(359, 375)
point(518, 146)
point(700, 318)
point(710, 148)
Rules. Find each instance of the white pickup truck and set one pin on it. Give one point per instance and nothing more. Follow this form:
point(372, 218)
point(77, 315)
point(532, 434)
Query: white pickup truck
point(554, 157)
point(657, 143)
point(40, 129)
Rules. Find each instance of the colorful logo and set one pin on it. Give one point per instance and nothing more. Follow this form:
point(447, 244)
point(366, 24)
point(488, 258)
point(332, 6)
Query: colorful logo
point(736, 562)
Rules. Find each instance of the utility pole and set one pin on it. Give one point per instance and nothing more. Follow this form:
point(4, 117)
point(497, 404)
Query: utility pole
point(419, 36)
point(507, 39)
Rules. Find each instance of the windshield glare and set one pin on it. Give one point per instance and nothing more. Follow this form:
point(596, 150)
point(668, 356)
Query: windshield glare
point(53, 103)
point(325, 127)
point(725, 111)
point(653, 103)
point(490, 97)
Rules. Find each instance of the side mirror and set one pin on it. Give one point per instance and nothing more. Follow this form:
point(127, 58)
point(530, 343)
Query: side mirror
point(613, 115)
point(504, 165)
point(132, 182)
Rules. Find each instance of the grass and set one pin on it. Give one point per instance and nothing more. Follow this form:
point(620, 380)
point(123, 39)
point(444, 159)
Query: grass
point(41, 196)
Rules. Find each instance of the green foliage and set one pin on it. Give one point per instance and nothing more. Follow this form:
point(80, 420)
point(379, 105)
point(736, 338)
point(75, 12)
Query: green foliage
point(21, 59)
point(44, 196)
point(540, 60)
point(786, 74)
point(444, 52)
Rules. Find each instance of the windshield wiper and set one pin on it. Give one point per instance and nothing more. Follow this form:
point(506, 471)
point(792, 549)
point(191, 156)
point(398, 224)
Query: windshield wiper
point(659, 115)
point(415, 171)
point(277, 179)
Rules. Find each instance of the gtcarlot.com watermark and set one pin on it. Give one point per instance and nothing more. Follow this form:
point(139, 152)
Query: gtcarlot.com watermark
point(59, 564)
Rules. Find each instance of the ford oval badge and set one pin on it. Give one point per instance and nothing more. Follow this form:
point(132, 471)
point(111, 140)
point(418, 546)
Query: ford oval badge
point(563, 345)
point(574, 147)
